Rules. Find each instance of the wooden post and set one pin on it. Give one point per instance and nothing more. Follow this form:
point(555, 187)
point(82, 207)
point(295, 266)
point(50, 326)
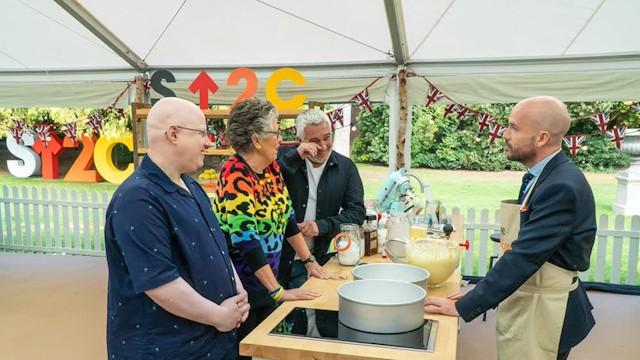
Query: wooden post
point(402, 89)
point(140, 89)
point(138, 129)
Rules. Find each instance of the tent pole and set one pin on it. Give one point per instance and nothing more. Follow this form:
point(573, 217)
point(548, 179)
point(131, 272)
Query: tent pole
point(91, 23)
point(392, 99)
point(402, 128)
point(140, 96)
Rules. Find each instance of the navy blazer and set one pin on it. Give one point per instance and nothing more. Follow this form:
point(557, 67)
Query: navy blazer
point(559, 226)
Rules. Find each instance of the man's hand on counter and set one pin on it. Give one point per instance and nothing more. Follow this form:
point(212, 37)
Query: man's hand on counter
point(456, 295)
point(438, 305)
point(299, 294)
point(314, 269)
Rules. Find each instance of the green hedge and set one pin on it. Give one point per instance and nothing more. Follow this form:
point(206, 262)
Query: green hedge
point(112, 123)
point(448, 143)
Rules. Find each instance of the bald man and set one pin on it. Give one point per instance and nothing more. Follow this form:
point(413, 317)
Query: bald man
point(544, 310)
point(173, 292)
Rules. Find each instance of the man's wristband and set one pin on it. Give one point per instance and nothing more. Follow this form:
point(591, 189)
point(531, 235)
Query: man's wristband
point(309, 260)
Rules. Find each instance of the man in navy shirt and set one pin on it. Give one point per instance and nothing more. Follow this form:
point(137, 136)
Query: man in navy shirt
point(173, 291)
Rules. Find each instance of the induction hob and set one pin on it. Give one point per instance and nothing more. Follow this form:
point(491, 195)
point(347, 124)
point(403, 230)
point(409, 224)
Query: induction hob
point(324, 325)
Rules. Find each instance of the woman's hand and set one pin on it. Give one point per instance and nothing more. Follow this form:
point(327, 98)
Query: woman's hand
point(299, 294)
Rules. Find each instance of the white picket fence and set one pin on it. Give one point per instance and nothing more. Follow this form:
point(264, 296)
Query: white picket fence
point(614, 258)
point(53, 220)
point(72, 222)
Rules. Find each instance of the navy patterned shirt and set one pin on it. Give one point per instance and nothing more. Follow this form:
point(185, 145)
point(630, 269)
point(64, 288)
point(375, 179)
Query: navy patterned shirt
point(155, 232)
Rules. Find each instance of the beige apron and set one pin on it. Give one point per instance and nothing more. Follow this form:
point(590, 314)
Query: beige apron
point(529, 322)
point(509, 215)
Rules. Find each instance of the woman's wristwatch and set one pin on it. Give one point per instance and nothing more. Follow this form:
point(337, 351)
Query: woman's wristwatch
point(309, 260)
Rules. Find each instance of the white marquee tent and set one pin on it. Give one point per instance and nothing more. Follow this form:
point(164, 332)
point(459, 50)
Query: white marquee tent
point(63, 53)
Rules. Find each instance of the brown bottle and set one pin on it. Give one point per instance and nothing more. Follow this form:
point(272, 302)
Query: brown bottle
point(370, 235)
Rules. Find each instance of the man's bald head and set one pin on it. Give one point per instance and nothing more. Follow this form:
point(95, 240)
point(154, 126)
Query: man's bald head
point(545, 113)
point(536, 128)
point(172, 111)
point(177, 134)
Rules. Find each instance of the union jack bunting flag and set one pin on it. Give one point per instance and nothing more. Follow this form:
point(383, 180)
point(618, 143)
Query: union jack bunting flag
point(574, 142)
point(451, 108)
point(18, 129)
point(70, 130)
point(362, 99)
point(433, 95)
point(483, 122)
point(617, 135)
point(495, 131)
point(464, 111)
point(17, 133)
point(95, 122)
point(336, 115)
point(44, 133)
point(19, 124)
point(601, 120)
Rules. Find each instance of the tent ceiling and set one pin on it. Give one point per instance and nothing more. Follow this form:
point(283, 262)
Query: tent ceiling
point(476, 51)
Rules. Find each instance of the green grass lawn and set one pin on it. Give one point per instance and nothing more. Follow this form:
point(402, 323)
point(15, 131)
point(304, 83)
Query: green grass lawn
point(481, 190)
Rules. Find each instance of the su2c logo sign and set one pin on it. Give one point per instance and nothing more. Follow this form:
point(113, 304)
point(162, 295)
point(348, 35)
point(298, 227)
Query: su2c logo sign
point(36, 157)
point(203, 84)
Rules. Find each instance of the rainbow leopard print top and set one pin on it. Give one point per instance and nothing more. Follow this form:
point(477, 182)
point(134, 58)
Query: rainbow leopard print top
point(255, 213)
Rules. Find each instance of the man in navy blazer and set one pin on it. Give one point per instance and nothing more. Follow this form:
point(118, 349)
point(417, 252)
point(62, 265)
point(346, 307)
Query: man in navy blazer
point(557, 224)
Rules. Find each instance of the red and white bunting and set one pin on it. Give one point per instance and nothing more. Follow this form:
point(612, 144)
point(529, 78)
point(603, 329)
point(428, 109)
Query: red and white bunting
point(70, 130)
point(574, 143)
point(95, 122)
point(336, 115)
point(17, 130)
point(450, 109)
point(495, 131)
point(146, 84)
point(17, 133)
point(601, 120)
point(464, 111)
point(617, 135)
point(19, 124)
point(484, 120)
point(44, 133)
point(433, 95)
point(362, 99)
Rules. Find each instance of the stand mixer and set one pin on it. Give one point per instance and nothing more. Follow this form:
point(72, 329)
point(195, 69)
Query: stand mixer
point(397, 198)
